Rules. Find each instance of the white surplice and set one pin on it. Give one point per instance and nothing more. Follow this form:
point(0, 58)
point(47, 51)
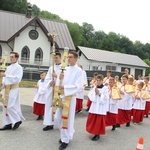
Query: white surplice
point(139, 103)
point(127, 100)
point(48, 89)
point(73, 82)
point(14, 74)
point(99, 102)
point(113, 106)
point(147, 88)
point(80, 94)
point(40, 97)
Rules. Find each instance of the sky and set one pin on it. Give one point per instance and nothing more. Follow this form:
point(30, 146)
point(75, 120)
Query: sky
point(130, 18)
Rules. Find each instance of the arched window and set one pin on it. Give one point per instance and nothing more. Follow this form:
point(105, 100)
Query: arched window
point(0, 52)
point(25, 54)
point(38, 56)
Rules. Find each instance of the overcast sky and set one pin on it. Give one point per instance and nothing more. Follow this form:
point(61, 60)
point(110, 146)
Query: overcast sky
point(128, 17)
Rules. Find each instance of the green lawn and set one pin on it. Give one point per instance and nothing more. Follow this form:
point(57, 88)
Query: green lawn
point(27, 83)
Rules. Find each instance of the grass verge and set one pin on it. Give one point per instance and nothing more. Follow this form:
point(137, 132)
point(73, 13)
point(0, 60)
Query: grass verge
point(24, 83)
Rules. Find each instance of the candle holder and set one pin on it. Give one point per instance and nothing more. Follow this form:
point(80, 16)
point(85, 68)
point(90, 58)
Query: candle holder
point(57, 102)
point(2, 69)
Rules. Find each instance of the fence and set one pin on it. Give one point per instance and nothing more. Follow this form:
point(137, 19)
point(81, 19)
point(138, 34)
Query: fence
point(34, 75)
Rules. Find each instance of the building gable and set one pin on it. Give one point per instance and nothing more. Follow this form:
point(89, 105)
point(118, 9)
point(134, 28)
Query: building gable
point(36, 23)
point(13, 23)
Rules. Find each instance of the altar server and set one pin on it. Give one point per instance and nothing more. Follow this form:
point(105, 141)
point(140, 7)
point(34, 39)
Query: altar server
point(39, 98)
point(96, 118)
point(125, 105)
point(80, 94)
point(114, 96)
point(12, 114)
point(72, 82)
point(139, 105)
point(51, 80)
point(147, 88)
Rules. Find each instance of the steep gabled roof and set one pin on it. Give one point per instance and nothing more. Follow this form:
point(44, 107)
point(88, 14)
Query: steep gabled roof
point(112, 57)
point(11, 24)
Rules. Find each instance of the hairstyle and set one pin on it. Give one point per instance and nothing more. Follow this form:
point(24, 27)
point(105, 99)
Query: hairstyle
point(95, 74)
point(131, 79)
point(125, 76)
point(112, 79)
point(146, 78)
point(116, 76)
point(126, 69)
point(108, 71)
point(100, 77)
point(74, 54)
point(43, 72)
point(15, 53)
point(58, 54)
point(141, 83)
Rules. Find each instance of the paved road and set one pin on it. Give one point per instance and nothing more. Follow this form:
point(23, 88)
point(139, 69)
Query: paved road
point(31, 137)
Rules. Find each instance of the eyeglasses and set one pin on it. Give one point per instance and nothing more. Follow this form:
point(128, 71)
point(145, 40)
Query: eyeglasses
point(70, 57)
point(12, 56)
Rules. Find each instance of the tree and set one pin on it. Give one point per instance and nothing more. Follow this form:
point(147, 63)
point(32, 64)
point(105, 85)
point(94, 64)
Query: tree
point(110, 42)
point(35, 10)
point(19, 6)
point(146, 49)
point(107, 43)
point(138, 49)
point(48, 15)
point(85, 35)
point(147, 61)
point(116, 40)
point(88, 30)
point(126, 45)
point(88, 34)
point(76, 32)
point(98, 36)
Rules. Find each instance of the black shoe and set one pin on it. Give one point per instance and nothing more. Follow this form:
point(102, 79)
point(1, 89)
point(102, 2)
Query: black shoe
point(60, 142)
point(39, 118)
point(76, 112)
point(63, 146)
point(95, 138)
point(48, 128)
point(17, 124)
point(113, 128)
point(87, 109)
point(128, 124)
point(146, 116)
point(117, 125)
point(6, 127)
point(79, 111)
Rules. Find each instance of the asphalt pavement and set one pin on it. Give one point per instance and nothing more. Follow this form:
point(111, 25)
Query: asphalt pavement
point(30, 136)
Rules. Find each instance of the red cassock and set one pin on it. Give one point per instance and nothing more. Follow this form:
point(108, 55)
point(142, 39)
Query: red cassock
point(79, 104)
point(131, 112)
point(88, 104)
point(147, 108)
point(111, 119)
point(95, 124)
point(124, 116)
point(38, 109)
point(138, 115)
